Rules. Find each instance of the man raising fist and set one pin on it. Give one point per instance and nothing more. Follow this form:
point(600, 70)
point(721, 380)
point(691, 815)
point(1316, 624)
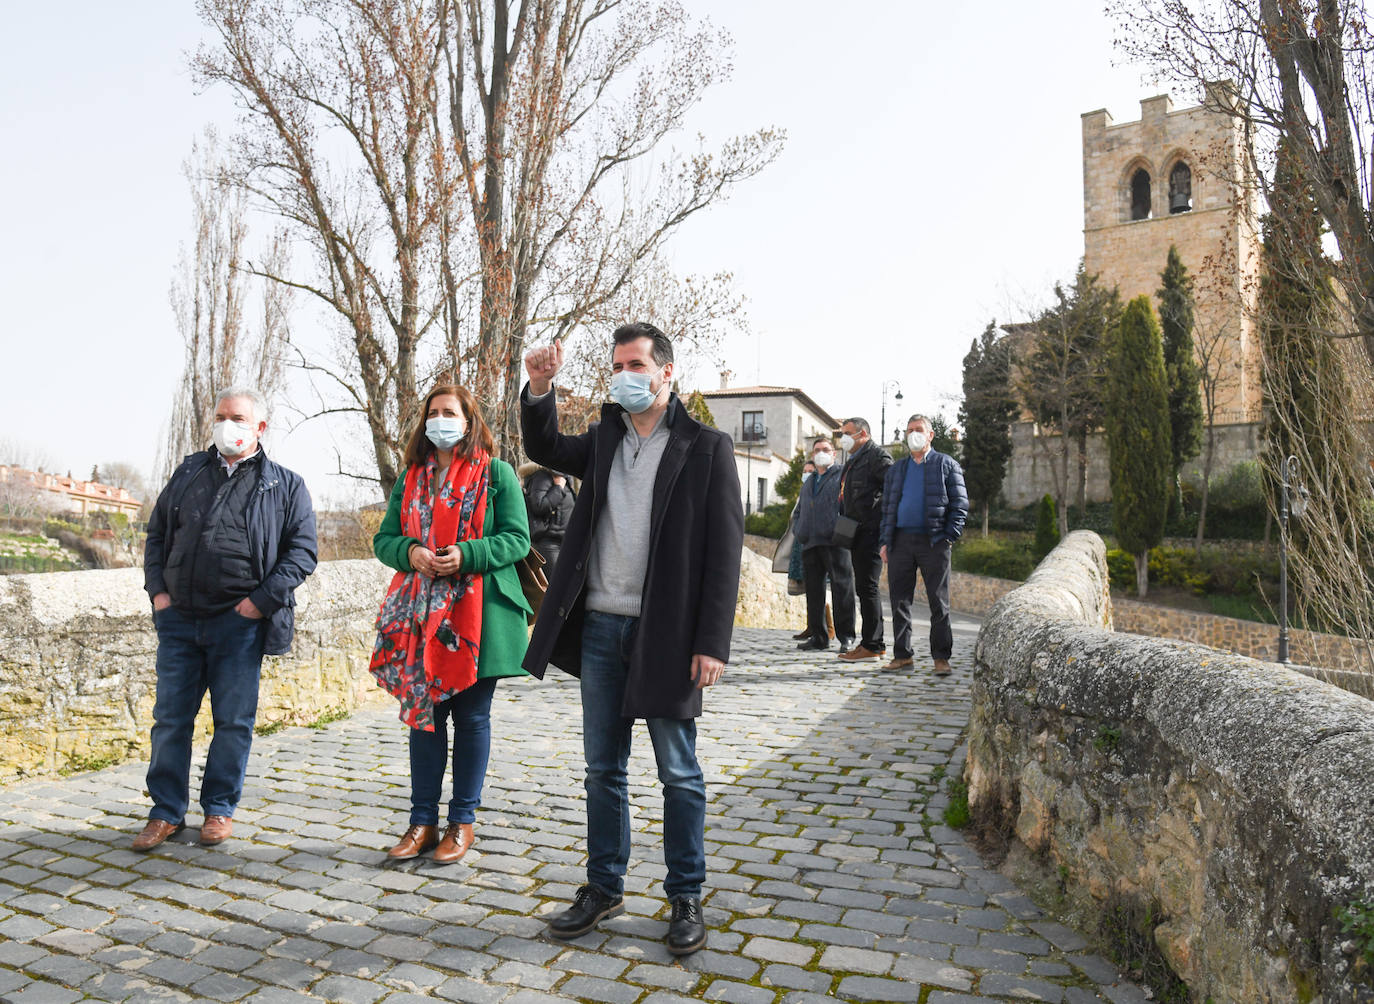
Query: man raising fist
point(641, 607)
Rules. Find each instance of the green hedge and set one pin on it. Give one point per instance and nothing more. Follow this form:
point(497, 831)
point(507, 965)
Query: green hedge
point(1000, 557)
point(770, 521)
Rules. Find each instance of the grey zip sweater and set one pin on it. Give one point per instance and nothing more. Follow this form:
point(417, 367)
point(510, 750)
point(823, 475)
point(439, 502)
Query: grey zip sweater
point(620, 540)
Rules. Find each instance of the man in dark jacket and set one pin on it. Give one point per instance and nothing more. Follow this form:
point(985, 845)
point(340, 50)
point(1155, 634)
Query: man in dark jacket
point(549, 505)
point(642, 609)
point(861, 493)
point(924, 508)
point(818, 503)
point(230, 539)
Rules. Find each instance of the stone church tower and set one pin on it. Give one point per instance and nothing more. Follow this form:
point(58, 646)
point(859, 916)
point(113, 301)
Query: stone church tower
point(1171, 178)
point(1177, 177)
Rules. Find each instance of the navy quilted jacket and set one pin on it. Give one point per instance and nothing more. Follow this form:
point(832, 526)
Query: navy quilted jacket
point(946, 498)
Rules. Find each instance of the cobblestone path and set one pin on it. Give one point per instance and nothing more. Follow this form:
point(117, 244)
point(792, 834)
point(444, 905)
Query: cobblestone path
point(829, 872)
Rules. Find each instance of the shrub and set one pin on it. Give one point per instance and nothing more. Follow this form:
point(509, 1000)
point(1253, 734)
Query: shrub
point(1046, 528)
point(770, 521)
point(995, 556)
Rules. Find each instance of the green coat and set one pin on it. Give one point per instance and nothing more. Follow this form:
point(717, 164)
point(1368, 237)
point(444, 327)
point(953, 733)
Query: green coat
point(505, 540)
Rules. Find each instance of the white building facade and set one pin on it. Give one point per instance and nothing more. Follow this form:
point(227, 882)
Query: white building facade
point(768, 425)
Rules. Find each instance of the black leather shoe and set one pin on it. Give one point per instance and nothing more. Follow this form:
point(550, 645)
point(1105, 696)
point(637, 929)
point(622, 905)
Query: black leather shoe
point(813, 645)
point(687, 930)
point(845, 645)
point(590, 907)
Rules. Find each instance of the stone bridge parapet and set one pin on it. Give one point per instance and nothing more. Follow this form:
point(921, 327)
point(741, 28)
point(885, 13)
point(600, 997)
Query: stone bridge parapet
point(1222, 804)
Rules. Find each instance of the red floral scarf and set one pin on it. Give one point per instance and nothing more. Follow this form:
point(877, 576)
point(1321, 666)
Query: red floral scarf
point(429, 630)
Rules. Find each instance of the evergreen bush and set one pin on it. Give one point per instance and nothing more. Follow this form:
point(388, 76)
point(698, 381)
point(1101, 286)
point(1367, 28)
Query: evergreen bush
point(1046, 528)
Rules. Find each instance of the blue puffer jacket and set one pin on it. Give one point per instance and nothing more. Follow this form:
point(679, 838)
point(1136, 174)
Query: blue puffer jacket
point(946, 497)
point(281, 538)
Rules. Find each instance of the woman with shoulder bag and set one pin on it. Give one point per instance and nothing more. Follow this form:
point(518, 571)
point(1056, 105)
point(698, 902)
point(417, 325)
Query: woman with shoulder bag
point(454, 618)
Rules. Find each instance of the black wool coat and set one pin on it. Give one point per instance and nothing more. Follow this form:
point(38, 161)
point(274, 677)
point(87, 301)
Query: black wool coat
point(696, 537)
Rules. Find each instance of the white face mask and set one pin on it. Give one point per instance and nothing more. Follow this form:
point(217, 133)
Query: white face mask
point(846, 442)
point(806, 476)
point(232, 438)
point(823, 460)
point(916, 441)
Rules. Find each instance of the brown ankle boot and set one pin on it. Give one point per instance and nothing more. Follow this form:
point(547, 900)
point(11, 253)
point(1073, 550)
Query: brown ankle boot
point(415, 842)
point(457, 839)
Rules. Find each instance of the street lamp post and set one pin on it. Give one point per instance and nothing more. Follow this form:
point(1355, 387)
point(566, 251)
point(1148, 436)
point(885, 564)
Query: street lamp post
point(888, 385)
point(1299, 506)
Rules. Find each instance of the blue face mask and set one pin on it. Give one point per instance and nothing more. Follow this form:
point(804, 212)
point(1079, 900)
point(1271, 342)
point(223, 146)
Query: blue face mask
point(444, 432)
point(631, 390)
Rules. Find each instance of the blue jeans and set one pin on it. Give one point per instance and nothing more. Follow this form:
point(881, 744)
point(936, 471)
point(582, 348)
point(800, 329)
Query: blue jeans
point(606, 642)
point(222, 654)
point(470, 711)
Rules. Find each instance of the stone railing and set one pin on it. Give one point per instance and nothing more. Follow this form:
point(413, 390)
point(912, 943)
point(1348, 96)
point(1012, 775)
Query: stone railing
point(77, 652)
point(1220, 805)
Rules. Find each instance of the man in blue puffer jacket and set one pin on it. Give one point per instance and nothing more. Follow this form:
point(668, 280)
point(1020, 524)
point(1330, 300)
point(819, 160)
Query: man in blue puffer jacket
point(924, 508)
point(230, 539)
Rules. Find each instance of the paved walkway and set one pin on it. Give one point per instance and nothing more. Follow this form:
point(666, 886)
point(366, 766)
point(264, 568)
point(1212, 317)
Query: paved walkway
point(829, 873)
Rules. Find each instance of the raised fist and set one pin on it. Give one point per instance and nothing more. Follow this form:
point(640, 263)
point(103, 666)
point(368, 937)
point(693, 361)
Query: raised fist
point(541, 365)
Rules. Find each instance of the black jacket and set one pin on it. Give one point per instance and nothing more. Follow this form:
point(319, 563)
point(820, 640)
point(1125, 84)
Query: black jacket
point(696, 537)
point(861, 487)
point(281, 532)
point(549, 507)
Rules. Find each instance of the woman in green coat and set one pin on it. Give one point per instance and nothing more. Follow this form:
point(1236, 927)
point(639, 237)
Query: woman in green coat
point(454, 619)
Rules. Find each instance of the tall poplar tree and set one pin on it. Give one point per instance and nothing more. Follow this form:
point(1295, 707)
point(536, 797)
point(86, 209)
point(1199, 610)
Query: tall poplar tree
point(986, 415)
point(1180, 366)
point(1138, 434)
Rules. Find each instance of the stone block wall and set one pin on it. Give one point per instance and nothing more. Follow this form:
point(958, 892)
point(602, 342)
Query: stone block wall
point(77, 654)
point(77, 675)
point(1227, 799)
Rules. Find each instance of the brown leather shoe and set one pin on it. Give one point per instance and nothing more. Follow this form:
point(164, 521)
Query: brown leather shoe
point(216, 830)
point(415, 842)
point(858, 652)
point(898, 663)
point(942, 667)
point(155, 833)
point(457, 839)
point(802, 635)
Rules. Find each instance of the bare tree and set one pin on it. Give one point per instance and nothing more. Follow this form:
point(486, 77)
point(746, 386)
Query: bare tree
point(1299, 70)
point(1059, 377)
point(210, 295)
point(22, 500)
point(1219, 374)
point(19, 453)
point(455, 164)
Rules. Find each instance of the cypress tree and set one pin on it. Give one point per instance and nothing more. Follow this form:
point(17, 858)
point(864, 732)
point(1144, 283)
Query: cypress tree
point(1180, 366)
point(1138, 434)
point(1046, 528)
point(986, 415)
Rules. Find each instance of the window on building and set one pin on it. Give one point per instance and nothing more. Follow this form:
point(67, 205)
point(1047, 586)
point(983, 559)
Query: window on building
point(1140, 195)
point(752, 430)
point(1180, 188)
point(799, 430)
point(763, 494)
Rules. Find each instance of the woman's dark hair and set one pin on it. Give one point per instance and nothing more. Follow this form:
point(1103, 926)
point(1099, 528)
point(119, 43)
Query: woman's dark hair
point(663, 348)
point(419, 448)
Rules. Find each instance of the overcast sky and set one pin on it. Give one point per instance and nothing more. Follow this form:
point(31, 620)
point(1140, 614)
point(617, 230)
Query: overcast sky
point(932, 180)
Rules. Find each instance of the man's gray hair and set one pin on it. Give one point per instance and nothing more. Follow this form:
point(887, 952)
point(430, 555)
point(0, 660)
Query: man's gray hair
point(921, 418)
point(861, 424)
point(260, 409)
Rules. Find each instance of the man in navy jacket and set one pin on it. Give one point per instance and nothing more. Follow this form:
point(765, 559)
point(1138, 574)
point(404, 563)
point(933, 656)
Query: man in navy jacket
point(924, 508)
point(230, 539)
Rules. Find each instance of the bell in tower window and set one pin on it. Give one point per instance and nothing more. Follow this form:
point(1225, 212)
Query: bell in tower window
point(1180, 188)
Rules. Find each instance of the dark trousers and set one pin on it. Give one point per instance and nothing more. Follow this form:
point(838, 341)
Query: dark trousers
point(221, 654)
point(910, 553)
point(606, 643)
point(818, 562)
point(470, 711)
point(867, 559)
